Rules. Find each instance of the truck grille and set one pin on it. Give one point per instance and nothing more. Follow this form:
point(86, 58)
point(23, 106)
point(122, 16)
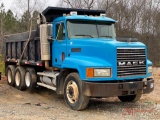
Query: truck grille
point(131, 62)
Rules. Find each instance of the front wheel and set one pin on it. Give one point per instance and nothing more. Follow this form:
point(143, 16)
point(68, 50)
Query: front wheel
point(73, 92)
point(131, 98)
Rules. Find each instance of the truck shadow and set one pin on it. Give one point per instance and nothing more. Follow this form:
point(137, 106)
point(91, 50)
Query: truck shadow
point(114, 105)
point(48, 93)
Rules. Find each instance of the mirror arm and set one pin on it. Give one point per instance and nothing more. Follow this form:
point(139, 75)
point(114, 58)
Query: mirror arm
point(50, 39)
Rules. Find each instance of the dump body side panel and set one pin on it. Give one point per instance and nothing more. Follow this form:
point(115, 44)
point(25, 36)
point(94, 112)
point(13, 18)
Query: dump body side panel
point(14, 46)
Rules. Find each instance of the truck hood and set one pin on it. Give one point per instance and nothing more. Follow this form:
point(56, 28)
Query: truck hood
point(98, 53)
point(100, 48)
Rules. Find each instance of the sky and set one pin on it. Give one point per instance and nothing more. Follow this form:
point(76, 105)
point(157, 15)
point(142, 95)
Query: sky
point(8, 3)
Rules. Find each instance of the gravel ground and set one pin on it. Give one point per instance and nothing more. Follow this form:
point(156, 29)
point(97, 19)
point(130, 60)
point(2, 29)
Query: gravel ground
point(44, 104)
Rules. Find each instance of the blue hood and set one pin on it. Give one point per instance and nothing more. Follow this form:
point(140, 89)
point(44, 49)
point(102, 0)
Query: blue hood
point(104, 49)
point(96, 53)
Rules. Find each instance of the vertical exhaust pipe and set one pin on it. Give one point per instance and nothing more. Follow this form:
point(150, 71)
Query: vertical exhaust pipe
point(45, 45)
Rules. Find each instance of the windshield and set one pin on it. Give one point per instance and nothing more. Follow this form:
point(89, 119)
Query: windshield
point(90, 29)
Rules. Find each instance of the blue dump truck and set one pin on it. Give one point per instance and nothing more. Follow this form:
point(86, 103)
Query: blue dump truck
point(76, 53)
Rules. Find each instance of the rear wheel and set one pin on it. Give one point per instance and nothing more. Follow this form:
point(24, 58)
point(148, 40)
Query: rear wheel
point(19, 78)
point(11, 75)
point(73, 92)
point(131, 98)
point(30, 79)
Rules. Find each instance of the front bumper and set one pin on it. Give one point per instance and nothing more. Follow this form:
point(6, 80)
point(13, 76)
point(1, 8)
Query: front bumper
point(117, 89)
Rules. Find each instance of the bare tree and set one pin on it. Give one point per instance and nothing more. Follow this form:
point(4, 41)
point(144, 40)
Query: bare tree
point(20, 6)
point(24, 9)
point(87, 4)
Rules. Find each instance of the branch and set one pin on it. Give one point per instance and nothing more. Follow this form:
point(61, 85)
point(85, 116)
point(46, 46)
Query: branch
point(68, 2)
point(90, 5)
point(86, 2)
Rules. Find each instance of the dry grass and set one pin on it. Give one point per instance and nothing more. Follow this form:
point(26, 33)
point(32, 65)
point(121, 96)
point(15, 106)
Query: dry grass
point(2, 65)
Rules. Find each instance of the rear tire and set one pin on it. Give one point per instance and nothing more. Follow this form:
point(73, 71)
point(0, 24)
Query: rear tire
point(11, 75)
point(19, 78)
point(73, 92)
point(131, 98)
point(30, 79)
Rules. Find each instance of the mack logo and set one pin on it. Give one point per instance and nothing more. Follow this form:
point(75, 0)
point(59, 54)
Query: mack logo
point(129, 63)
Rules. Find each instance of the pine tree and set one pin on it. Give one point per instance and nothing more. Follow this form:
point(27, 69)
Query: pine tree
point(2, 15)
point(10, 23)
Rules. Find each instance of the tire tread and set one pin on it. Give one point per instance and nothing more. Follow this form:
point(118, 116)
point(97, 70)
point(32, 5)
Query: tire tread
point(33, 76)
point(22, 85)
point(12, 68)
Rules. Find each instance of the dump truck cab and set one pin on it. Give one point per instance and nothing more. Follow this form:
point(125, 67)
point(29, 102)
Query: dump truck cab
point(94, 45)
point(70, 41)
point(77, 53)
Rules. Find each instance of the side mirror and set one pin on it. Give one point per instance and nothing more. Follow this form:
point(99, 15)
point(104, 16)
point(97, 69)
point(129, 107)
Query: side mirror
point(50, 39)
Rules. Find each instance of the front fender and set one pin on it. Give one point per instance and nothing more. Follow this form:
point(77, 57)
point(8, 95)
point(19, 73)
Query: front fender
point(149, 63)
point(82, 62)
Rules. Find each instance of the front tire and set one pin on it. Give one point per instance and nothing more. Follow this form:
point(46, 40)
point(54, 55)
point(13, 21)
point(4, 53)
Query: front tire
point(131, 98)
point(73, 92)
point(11, 75)
point(19, 78)
point(30, 79)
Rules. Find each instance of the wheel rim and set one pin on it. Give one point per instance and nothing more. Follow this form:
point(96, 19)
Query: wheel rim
point(72, 92)
point(27, 79)
point(9, 76)
point(17, 78)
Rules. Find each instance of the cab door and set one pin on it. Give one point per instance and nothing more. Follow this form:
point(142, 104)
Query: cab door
point(59, 46)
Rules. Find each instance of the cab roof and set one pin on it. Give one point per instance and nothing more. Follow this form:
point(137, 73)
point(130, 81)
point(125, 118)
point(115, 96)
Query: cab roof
point(85, 17)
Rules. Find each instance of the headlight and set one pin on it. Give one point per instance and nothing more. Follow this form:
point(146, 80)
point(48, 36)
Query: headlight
point(98, 72)
point(102, 72)
point(149, 69)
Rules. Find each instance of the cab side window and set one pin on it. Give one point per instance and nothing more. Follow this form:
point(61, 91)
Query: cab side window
point(60, 31)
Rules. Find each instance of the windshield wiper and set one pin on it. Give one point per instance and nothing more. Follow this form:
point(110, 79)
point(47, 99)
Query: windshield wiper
point(106, 36)
point(85, 35)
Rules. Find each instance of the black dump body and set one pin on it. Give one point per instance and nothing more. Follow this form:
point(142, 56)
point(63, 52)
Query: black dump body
point(53, 12)
point(14, 43)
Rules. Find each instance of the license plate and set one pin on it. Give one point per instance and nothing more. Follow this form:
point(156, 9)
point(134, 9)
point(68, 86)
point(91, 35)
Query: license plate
point(133, 85)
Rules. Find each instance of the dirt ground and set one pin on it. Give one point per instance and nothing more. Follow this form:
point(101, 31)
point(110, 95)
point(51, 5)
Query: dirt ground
point(45, 105)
